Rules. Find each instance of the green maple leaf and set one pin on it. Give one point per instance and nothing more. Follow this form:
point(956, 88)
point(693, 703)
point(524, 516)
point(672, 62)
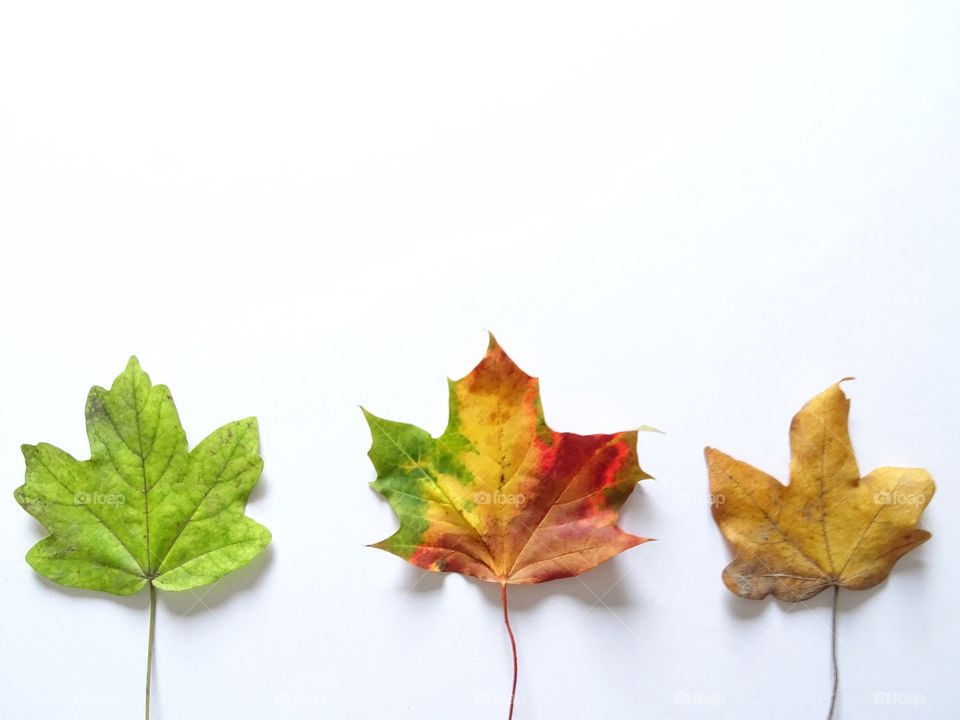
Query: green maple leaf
point(143, 510)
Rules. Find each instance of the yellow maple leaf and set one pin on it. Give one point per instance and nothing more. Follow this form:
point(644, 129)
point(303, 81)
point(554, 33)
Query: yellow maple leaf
point(829, 526)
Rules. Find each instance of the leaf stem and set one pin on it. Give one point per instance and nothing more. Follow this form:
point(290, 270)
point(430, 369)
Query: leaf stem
point(833, 650)
point(513, 646)
point(150, 634)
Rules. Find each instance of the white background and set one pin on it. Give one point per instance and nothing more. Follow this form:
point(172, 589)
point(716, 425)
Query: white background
point(694, 215)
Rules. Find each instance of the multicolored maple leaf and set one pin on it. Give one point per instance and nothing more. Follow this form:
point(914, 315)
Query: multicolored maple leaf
point(500, 496)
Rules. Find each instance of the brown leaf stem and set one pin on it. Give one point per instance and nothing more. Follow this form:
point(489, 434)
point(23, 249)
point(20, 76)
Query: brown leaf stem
point(513, 647)
point(833, 646)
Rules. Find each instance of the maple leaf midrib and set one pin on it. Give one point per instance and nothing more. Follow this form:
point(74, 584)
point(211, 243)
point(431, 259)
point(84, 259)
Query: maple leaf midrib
point(142, 454)
point(845, 443)
point(143, 471)
point(496, 558)
point(148, 572)
point(501, 506)
point(820, 476)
